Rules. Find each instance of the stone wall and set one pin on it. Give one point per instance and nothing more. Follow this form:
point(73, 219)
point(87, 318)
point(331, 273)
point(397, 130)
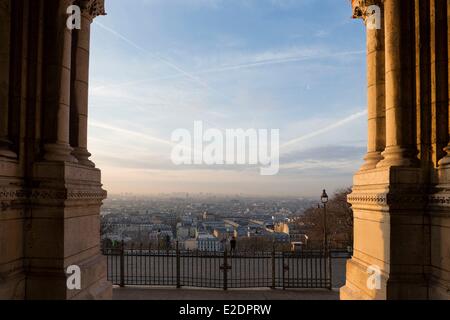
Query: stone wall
point(50, 192)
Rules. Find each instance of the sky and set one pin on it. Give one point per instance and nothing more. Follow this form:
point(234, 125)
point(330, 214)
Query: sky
point(293, 65)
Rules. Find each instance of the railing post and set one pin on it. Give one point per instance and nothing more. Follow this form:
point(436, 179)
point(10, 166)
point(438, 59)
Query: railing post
point(225, 269)
point(331, 269)
point(178, 266)
point(122, 265)
point(273, 267)
point(284, 269)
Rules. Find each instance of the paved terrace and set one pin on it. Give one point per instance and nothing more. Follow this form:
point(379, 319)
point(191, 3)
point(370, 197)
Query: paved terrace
point(151, 293)
point(171, 293)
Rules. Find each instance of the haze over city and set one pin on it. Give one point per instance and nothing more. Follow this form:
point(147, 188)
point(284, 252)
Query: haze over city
point(282, 66)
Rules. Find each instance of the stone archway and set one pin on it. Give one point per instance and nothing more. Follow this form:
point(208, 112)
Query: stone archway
point(51, 193)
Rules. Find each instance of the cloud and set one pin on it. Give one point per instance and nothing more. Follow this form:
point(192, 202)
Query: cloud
point(231, 70)
point(255, 60)
point(160, 58)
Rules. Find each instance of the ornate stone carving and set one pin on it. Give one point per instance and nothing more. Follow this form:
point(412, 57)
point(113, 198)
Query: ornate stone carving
point(93, 8)
point(379, 199)
point(360, 8)
point(7, 194)
point(387, 198)
point(439, 200)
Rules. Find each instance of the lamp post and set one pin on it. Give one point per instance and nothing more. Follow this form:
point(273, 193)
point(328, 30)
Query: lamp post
point(324, 199)
point(158, 236)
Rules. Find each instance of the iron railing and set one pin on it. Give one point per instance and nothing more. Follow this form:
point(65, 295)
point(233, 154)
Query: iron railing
point(138, 265)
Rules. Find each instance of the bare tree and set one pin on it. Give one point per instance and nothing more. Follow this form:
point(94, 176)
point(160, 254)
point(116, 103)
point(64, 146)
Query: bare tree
point(339, 219)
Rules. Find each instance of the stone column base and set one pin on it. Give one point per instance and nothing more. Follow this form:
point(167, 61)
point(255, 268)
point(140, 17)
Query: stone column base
point(356, 286)
point(64, 230)
point(390, 236)
point(12, 285)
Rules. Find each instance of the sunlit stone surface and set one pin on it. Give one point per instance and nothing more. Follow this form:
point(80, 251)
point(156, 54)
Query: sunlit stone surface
point(401, 195)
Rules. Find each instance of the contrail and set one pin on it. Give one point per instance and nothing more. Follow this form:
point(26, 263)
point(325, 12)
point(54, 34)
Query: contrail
point(279, 61)
point(157, 56)
point(130, 132)
point(140, 135)
point(242, 66)
point(326, 129)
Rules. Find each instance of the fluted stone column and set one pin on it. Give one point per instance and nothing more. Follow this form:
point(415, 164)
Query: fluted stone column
point(80, 86)
point(5, 21)
point(388, 201)
point(376, 84)
point(439, 201)
point(57, 146)
point(65, 196)
point(400, 83)
point(445, 162)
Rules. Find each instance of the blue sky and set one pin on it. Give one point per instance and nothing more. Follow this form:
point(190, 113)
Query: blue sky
point(293, 65)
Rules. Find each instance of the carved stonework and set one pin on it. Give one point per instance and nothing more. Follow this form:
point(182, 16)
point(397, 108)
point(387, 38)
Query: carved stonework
point(7, 194)
point(93, 8)
point(389, 199)
point(442, 200)
point(360, 8)
point(378, 199)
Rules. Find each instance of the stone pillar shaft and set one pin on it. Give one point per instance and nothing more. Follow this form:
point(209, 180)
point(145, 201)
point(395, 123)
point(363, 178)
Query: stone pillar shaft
point(57, 147)
point(445, 162)
point(376, 95)
point(5, 29)
point(439, 76)
point(80, 91)
point(400, 99)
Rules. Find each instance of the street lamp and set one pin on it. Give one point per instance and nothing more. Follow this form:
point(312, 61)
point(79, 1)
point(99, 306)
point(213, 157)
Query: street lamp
point(324, 199)
point(158, 236)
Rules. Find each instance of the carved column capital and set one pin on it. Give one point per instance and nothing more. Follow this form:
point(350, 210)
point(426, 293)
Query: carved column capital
point(361, 8)
point(92, 8)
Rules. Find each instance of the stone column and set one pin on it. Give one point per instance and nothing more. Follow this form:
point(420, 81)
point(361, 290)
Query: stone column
point(439, 201)
point(445, 162)
point(390, 229)
point(5, 21)
point(64, 196)
point(376, 82)
point(400, 83)
point(56, 137)
point(80, 85)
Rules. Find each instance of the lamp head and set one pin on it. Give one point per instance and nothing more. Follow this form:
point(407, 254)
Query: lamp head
point(324, 197)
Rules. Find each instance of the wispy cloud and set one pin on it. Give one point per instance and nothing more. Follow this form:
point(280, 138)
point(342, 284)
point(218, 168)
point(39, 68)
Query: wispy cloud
point(257, 60)
point(161, 58)
point(230, 64)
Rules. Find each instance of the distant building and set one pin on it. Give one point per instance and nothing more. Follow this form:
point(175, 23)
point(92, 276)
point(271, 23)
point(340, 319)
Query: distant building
point(224, 232)
point(240, 232)
point(281, 226)
point(207, 242)
point(190, 244)
point(155, 236)
point(186, 231)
